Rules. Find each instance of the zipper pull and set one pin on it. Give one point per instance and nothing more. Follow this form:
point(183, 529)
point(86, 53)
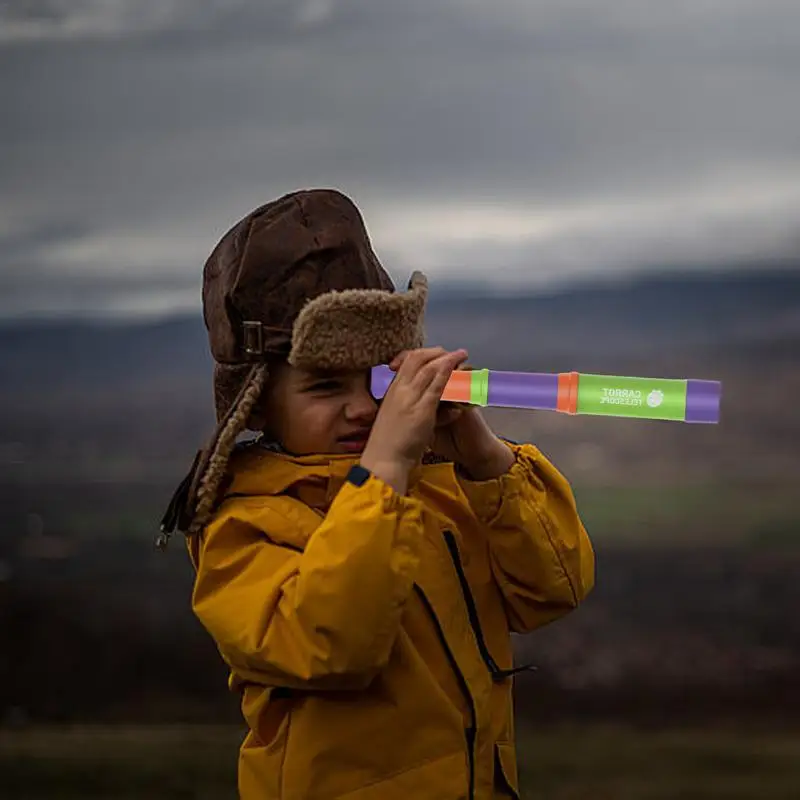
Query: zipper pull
point(173, 516)
point(499, 675)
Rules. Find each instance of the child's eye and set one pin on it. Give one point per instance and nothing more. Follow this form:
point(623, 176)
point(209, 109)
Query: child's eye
point(325, 386)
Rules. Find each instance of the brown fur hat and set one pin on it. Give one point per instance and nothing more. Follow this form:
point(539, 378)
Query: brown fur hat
point(296, 279)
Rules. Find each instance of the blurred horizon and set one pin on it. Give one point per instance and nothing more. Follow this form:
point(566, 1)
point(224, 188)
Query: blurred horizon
point(443, 292)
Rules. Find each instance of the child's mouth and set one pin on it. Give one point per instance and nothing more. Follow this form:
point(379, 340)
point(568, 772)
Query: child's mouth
point(354, 443)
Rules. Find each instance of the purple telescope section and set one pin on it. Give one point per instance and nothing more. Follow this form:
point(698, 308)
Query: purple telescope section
point(380, 379)
point(524, 390)
point(702, 401)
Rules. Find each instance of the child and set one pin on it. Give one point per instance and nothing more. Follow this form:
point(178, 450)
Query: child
point(361, 565)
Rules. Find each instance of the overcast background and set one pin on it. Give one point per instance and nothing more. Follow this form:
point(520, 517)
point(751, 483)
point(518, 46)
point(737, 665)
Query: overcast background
point(520, 141)
point(521, 146)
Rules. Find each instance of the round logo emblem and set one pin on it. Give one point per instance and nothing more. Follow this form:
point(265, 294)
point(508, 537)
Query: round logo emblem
point(655, 398)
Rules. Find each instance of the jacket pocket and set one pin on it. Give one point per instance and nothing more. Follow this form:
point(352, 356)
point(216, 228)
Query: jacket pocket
point(505, 771)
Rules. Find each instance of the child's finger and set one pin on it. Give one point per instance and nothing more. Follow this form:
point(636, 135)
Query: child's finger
point(444, 369)
point(398, 360)
point(413, 363)
point(429, 370)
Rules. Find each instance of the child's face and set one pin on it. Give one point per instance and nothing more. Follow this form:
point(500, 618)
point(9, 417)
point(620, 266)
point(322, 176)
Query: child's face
point(318, 412)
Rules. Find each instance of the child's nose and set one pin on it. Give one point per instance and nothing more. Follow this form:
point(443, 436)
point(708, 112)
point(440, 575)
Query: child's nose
point(361, 405)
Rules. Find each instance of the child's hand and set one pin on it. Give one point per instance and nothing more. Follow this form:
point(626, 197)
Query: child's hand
point(405, 424)
point(463, 436)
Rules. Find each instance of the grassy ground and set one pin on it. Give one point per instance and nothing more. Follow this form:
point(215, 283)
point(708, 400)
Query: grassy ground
point(605, 763)
point(564, 763)
point(709, 514)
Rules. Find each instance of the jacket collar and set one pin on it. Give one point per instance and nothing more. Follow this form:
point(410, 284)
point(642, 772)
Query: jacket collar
point(263, 469)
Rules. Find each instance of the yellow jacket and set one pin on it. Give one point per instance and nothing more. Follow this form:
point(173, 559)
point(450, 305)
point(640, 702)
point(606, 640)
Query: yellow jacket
point(369, 633)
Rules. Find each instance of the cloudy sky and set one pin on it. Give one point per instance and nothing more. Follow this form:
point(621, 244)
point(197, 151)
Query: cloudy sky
point(519, 141)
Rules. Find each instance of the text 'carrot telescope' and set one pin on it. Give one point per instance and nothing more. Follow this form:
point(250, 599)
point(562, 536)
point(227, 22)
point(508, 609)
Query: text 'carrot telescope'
point(678, 400)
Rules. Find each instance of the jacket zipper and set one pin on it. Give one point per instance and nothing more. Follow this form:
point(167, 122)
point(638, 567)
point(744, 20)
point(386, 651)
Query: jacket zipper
point(471, 730)
point(498, 675)
point(498, 768)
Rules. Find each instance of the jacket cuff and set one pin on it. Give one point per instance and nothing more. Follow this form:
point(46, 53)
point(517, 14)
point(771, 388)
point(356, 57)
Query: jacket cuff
point(360, 479)
point(488, 499)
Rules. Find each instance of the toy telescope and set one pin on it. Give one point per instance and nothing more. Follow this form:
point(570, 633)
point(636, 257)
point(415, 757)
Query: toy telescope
point(578, 393)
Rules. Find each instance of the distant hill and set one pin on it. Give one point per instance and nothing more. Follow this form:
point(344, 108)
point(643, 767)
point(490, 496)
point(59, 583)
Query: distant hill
point(76, 352)
point(596, 324)
point(592, 324)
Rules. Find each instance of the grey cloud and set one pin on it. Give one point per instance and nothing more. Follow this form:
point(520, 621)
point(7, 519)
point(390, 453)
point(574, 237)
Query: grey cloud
point(28, 243)
point(37, 20)
point(97, 20)
point(156, 131)
point(54, 296)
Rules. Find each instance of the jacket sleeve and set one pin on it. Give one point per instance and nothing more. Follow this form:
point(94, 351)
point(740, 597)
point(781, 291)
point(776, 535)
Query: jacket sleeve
point(324, 618)
point(540, 552)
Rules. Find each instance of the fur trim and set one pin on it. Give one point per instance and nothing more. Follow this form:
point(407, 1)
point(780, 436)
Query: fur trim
point(359, 328)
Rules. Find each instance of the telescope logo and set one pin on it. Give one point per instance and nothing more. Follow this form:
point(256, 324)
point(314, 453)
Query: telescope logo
point(655, 398)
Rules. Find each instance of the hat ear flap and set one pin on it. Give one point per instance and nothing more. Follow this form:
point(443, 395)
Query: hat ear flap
point(194, 501)
point(359, 328)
